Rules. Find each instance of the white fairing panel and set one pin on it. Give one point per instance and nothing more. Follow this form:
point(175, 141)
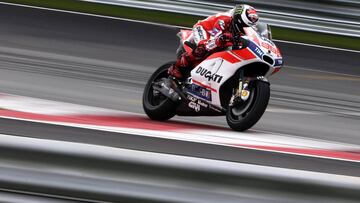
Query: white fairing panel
point(212, 73)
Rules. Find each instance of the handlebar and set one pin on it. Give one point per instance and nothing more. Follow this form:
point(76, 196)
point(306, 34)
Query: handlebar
point(240, 42)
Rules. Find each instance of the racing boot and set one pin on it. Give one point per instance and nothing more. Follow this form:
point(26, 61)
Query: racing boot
point(186, 62)
point(182, 64)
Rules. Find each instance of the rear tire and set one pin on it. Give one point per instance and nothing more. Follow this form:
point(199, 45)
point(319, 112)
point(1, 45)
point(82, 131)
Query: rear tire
point(158, 107)
point(255, 110)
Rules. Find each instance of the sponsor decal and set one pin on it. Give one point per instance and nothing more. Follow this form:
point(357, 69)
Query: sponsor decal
point(258, 51)
point(239, 10)
point(170, 90)
point(270, 47)
point(214, 109)
point(211, 44)
point(221, 24)
point(278, 62)
point(191, 98)
point(209, 75)
point(200, 33)
point(214, 31)
point(194, 106)
point(267, 40)
point(203, 104)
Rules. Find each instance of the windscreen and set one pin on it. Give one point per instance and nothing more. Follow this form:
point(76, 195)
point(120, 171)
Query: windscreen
point(264, 30)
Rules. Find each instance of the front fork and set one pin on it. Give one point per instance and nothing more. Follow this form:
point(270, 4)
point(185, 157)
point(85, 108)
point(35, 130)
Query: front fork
point(241, 92)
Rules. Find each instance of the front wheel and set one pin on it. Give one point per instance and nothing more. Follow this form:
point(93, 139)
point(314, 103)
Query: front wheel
point(243, 116)
point(156, 105)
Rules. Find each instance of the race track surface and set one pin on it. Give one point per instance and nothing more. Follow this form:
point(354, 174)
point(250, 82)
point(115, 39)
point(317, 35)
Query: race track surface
point(105, 63)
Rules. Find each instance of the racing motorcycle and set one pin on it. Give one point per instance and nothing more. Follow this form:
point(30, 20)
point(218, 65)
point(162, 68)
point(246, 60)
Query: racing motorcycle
point(232, 82)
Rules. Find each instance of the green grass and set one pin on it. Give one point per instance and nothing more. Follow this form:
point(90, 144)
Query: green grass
point(316, 38)
point(187, 20)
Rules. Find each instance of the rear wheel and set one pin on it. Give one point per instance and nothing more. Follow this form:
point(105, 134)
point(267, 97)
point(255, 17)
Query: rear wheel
point(245, 114)
point(156, 105)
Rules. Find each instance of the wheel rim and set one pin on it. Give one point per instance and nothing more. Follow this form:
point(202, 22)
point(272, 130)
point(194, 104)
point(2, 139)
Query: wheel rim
point(239, 111)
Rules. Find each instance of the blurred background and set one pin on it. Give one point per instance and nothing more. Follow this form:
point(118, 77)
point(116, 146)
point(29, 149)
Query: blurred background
point(72, 128)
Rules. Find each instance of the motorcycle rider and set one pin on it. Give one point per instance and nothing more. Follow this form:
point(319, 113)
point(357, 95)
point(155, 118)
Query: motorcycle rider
point(213, 34)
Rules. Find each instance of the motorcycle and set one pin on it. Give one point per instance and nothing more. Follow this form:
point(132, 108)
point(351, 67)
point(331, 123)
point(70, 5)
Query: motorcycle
point(232, 82)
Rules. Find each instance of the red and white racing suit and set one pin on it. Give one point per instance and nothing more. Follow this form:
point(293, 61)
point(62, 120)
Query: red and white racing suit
point(210, 35)
point(207, 31)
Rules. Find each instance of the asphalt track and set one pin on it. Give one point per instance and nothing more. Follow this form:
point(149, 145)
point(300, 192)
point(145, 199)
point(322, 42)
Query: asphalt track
point(102, 62)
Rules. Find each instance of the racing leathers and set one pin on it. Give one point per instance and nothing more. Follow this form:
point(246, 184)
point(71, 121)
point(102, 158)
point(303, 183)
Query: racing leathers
point(209, 35)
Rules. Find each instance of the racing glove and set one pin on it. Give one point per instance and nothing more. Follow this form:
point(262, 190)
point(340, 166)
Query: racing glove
point(200, 51)
point(224, 40)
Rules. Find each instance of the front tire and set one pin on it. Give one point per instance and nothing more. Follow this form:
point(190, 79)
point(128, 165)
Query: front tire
point(157, 106)
point(253, 110)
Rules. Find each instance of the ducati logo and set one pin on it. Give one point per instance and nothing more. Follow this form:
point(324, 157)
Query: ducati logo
point(208, 75)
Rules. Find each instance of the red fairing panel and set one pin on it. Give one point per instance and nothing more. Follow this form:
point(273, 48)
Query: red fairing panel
point(226, 56)
point(244, 54)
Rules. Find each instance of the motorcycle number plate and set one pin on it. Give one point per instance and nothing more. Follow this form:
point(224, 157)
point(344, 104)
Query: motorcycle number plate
point(201, 92)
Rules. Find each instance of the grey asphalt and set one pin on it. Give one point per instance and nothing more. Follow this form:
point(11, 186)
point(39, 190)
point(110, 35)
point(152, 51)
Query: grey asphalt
point(102, 62)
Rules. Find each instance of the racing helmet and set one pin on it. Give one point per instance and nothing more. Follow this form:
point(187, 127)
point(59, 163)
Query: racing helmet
point(244, 16)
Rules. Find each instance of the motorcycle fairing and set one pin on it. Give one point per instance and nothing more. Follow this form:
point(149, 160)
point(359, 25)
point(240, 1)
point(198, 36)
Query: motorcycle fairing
point(215, 70)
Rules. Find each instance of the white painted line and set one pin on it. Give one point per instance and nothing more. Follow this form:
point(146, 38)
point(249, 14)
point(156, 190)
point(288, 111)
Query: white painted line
point(321, 71)
point(291, 111)
point(165, 25)
point(349, 113)
point(41, 106)
point(316, 46)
